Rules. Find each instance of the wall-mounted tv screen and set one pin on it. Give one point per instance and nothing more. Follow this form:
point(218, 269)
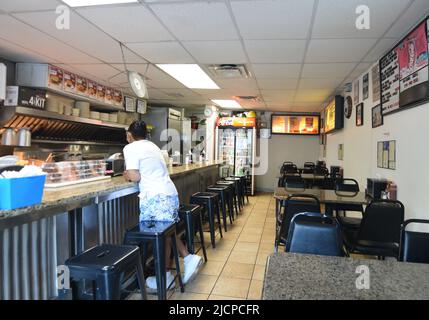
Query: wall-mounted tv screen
point(404, 71)
point(294, 123)
point(334, 115)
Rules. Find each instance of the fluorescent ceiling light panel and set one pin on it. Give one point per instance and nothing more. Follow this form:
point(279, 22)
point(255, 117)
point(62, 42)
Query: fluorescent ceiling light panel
point(190, 75)
point(228, 104)
point(87, 3)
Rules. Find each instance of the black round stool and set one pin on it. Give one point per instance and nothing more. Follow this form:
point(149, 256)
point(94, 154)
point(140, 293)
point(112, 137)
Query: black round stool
point(210, 201)
point(156, 233)
point(233, 185)
point(105, 266)
point(237, 185)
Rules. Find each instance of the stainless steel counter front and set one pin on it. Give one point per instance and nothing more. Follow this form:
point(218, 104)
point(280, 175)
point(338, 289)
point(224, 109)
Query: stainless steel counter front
point(35, 240)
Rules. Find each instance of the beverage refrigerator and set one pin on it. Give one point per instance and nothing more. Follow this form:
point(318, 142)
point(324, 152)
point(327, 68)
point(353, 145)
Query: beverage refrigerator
point(236, 146)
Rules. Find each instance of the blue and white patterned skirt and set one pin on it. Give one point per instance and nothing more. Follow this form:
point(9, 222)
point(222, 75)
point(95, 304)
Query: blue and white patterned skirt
point(159, 208)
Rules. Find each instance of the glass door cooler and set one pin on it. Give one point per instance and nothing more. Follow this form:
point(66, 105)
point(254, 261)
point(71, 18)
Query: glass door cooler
point(235, 141)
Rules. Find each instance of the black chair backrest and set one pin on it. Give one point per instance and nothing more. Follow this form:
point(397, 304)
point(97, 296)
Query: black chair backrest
point(294, 182)
point(314, 233)
point(294, 204)
point(382, 222)
point(414, 245)
point(321, 171)
point(291, 169)
point(309, 165)
point(284, 166)
point(348, 185)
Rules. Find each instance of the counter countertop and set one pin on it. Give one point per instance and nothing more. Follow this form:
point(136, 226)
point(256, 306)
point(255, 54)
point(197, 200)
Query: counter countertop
point(67, 197)
point(292, 276)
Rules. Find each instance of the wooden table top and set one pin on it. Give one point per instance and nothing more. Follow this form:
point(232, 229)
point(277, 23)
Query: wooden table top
point(326, 196)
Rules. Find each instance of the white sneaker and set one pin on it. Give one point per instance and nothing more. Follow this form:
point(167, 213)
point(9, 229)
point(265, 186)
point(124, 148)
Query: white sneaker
point(151, 282)
point(192, 265)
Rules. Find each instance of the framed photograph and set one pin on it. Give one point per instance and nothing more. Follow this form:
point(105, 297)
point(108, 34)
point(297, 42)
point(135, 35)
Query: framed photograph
point(377, 116)
point(380, 154)
point(365, 87)
point(359, 115)
point(356, 92)
point(392, 155)
point(340, 152)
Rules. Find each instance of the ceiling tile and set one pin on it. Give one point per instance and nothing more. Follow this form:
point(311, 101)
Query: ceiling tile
point(337, 19)
point(162, 52)
point(338, 50)
point(101, 71)
point(216, 51)
point(17, 53)
point(201, 20)
point(235, 84)
point(28, 5)
point(275, 51)
point(159, 79)
point(416, 13)
point(360, 68)
point(327, 70)
point(320, 83)
point(277, 84)
point(130, 23)
point(107, 49)
point(276, 19)
point(314, 95)
point(140, 67)
point(27, 37)
point(271, 71)
point(278, 96)
point(380, 49)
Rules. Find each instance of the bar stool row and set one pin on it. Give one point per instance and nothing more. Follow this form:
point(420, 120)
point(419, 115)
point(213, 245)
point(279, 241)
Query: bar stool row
point(104, 268)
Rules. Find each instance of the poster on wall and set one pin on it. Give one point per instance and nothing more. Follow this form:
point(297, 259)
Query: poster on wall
point(340, 152)
point(356, 92)
point(386, 154)
point(380, 154)
point(404, 71)
point(389, 72)
point(365, 87)
point(375, 76)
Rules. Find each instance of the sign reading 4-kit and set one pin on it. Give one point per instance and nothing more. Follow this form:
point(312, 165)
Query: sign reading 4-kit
point(25, 97)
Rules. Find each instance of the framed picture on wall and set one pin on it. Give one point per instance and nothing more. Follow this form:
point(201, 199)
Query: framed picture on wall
point(392, 155)
point(359, 115)
point(340, 152)
point(356, 88)
point(380, 154)
point(365, 87)
point(377, 116)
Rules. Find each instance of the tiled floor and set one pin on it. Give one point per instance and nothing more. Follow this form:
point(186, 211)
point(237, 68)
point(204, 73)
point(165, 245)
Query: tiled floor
point(235, 269)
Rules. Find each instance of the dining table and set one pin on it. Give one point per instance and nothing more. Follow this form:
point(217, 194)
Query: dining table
point(293, 276)
point(329, 198)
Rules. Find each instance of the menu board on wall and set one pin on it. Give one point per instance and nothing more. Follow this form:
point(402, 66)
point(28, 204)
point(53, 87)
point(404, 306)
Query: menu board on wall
point(300, 124)
point(375, 76)
point(404, 71)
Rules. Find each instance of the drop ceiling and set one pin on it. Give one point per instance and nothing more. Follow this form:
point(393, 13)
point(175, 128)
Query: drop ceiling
point(299, 52)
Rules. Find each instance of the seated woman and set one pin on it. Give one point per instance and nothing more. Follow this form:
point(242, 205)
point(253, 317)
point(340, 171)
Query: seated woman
point(159, 200)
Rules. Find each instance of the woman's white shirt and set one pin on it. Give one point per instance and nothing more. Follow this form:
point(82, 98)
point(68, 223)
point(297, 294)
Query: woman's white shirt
point(146, 157)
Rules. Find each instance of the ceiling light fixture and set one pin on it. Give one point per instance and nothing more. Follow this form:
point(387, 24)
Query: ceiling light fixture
point(228, 104)
point(88, 3)
point(190, 75)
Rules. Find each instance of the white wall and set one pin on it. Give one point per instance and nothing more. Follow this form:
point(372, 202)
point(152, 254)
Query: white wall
point(410, 130)
point(297, 149)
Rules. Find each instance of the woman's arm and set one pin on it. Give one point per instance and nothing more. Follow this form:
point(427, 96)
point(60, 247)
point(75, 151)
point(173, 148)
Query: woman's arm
point(132, 175)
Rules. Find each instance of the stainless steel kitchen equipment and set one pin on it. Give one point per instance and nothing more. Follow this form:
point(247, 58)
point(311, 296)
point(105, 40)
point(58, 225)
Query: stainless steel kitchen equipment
point(24, 137)
point(8, 137)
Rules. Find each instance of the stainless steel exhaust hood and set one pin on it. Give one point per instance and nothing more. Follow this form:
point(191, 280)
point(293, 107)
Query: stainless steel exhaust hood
point(50, 127)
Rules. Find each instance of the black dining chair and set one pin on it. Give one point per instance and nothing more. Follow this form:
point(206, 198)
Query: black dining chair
point(346, 185)
point(293, 169)
point(294, 204)
point(314, 233)
point(414, 245)
point(284, 166)
point(379, 232)
point(309, 165)
point(294, 181)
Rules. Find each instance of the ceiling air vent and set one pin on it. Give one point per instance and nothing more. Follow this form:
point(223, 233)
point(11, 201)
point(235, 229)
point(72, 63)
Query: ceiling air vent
point(229, 71)
point(248, 98)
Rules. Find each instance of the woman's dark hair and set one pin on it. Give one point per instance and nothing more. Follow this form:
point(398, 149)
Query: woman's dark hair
point(138, 130)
